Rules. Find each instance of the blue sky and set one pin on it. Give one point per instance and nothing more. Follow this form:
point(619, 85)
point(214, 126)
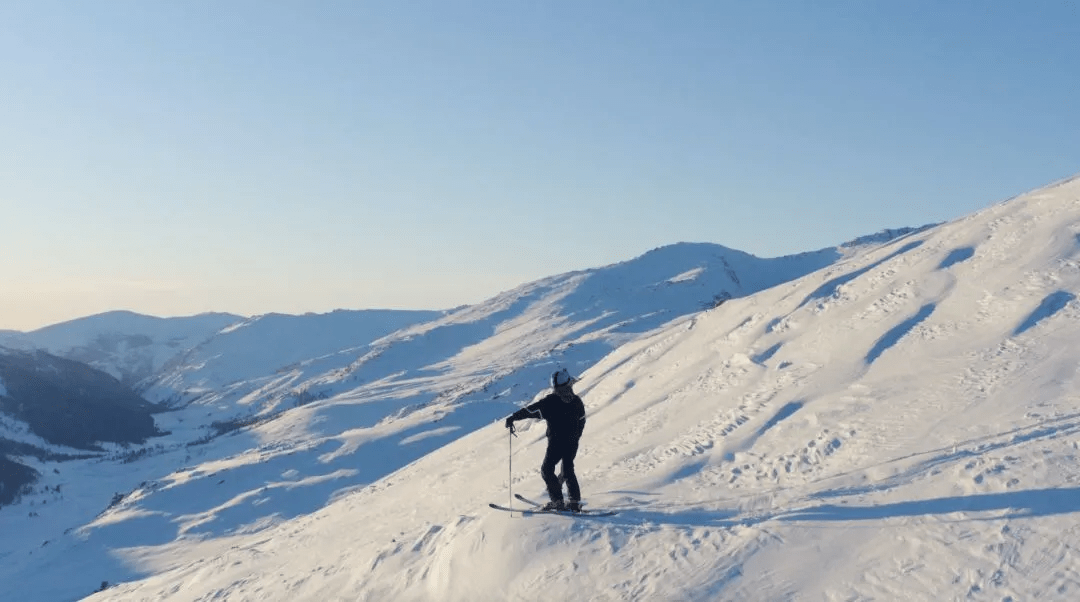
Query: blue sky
point(174, 158)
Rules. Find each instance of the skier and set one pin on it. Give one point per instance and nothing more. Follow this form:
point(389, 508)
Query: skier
point(565, 416)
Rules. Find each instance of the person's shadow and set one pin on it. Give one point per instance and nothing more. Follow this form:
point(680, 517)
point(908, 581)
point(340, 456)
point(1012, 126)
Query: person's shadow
point(1015, 504)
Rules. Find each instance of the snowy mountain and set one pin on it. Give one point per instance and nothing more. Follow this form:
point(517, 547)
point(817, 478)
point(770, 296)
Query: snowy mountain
point(889, 420)
point(127, 345)
point(503, 344)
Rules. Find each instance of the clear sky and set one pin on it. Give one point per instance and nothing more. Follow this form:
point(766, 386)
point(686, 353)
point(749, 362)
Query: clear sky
point(258, 156)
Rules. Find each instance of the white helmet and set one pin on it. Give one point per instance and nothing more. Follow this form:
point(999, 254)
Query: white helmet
point(562, 378)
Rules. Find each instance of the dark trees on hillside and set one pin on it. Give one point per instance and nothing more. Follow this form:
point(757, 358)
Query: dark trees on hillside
point(69, 403)
point(13, 477)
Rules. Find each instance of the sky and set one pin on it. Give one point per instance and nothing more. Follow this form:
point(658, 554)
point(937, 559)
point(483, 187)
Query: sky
point(256, 157)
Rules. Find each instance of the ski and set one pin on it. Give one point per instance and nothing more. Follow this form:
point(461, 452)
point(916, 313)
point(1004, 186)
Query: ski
point(538, 505)
point(508, 509)
point(527, 500)
point(536, 510)
point(532, 502)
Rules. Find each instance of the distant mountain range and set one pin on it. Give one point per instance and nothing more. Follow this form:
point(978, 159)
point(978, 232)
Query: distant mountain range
point(197, 354)
point(67, 388)
point(128, 345)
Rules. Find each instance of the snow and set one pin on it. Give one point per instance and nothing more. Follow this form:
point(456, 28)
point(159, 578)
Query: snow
point(898, 424)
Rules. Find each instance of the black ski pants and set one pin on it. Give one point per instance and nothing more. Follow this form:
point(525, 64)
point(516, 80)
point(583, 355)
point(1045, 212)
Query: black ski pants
point(561, 450)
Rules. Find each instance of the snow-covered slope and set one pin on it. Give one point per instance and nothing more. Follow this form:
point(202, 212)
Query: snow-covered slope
point(268, 344)
point(898, 426)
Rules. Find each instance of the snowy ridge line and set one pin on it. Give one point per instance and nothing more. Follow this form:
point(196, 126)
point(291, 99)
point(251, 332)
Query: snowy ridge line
point(1061, 182)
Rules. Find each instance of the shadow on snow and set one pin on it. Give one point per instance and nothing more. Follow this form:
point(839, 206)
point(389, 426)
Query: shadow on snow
point(1027, 503)
point(1017, 504)
point(956, 256)
point(829, 288)
point(1051, 304)
point(896, 333)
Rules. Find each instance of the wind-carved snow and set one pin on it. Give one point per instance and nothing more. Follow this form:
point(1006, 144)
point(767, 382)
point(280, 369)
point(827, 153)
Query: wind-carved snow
point(893, 336)
point(900, 425)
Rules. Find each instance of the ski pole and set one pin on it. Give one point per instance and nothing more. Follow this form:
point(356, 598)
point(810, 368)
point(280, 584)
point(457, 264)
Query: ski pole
point(510, 469)
point(510, 474)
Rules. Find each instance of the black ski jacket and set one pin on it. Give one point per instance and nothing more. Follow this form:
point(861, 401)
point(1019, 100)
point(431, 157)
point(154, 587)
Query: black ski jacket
point(565, 419)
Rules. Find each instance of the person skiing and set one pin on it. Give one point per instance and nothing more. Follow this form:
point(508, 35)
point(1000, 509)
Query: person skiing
point(565, 415)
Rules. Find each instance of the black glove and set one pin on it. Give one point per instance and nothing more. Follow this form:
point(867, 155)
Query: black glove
point(510, 424)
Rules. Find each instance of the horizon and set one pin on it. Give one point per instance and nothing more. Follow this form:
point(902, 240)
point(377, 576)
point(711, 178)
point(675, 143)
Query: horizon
point(260, 157)
point(240, 316)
